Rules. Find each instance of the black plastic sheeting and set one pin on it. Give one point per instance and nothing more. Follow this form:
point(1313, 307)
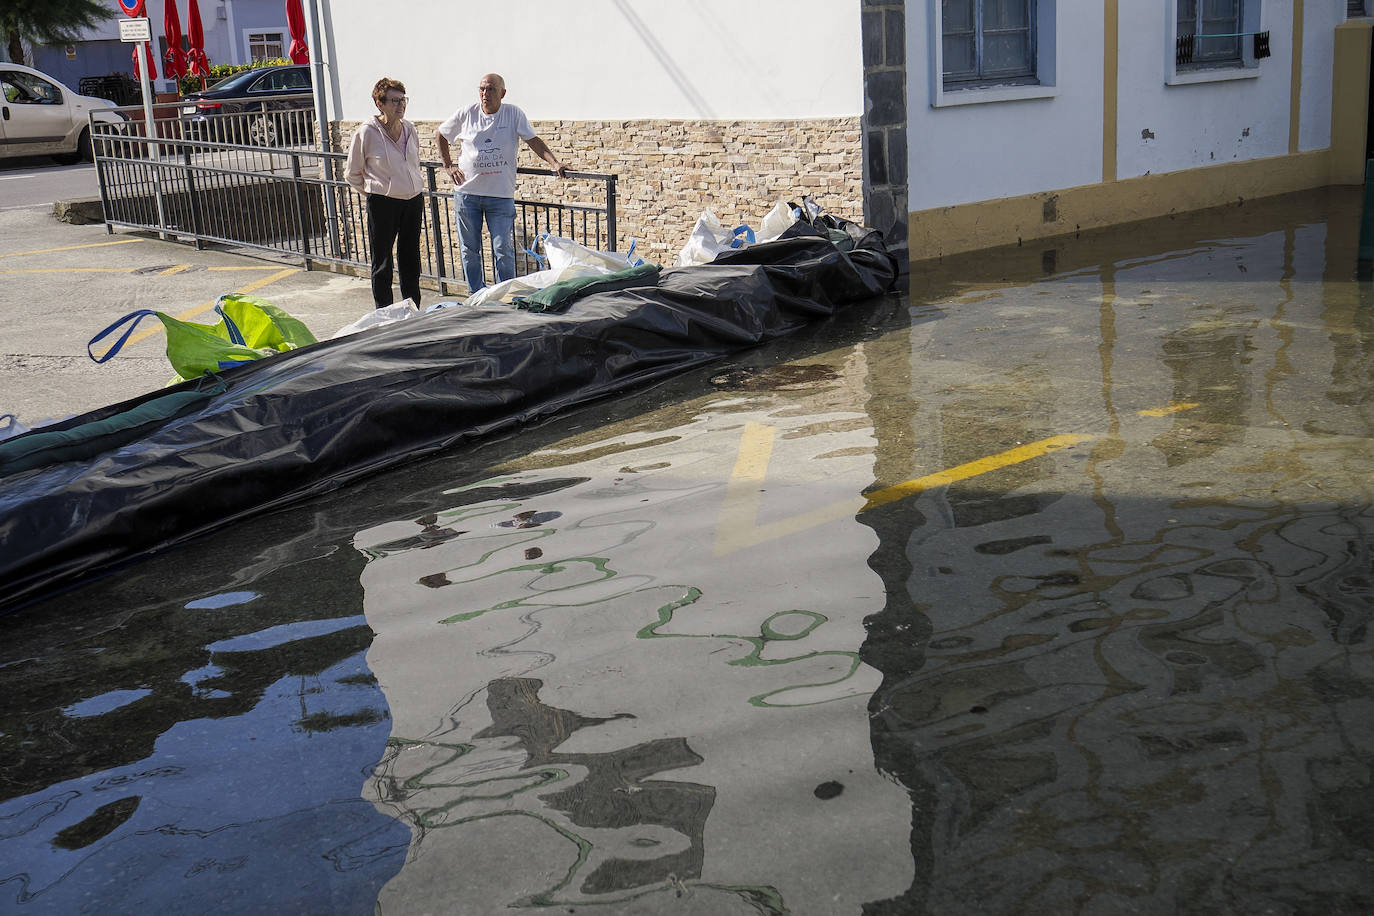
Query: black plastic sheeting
point(308, 421)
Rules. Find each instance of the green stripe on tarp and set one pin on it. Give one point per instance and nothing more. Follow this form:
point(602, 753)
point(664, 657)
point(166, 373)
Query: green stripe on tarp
point(40, 447)
point(558, 296)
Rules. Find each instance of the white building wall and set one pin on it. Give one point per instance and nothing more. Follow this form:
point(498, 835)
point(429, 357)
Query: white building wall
point(961, 153)
point(1318, 63)
point(978, 152)
point(1168, 128)
point(607, 59)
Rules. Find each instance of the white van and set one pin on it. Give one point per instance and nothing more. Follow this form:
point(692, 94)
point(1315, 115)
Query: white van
point(41, 117)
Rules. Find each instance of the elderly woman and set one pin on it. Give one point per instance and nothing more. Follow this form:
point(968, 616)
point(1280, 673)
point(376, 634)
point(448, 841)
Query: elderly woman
point(384, 164)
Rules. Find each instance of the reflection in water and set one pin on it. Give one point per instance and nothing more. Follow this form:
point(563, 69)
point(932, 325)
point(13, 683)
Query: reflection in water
point(653, 664)
point(620, 716)
point(1142, 695)
point(200, 754)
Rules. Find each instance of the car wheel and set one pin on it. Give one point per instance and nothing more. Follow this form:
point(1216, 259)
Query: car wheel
point(262, 131)
point(82, 152)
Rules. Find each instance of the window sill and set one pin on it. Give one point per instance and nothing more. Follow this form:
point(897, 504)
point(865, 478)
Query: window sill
point(982, 95)
point(1217, 75)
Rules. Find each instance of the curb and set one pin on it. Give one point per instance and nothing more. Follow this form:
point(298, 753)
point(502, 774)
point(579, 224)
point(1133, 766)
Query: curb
point(79, 212)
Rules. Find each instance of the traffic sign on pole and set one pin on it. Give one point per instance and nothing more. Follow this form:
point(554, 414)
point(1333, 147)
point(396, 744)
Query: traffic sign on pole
point(135, 30)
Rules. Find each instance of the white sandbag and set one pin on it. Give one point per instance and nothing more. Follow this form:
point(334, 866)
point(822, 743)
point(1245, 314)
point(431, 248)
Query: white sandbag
point(567, 260)
point(777, 221)
point(387, 314)
point(12, 426)
point(508, 290)
point(563, 252)
point(709, 238)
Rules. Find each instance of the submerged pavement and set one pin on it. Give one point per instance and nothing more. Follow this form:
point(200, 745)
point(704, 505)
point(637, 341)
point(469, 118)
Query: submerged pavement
point(1045, 588)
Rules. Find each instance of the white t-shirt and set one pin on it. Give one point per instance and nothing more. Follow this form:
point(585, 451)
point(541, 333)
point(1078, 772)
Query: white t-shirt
point(490, 147)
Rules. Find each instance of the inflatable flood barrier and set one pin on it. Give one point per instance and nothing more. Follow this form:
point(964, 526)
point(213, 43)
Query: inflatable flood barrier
point(307, 421)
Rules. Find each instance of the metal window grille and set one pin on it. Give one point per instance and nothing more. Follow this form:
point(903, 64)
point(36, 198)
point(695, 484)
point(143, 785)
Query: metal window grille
point(1209, 32)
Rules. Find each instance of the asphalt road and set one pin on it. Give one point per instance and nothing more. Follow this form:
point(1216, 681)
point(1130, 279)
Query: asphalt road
point(61, 284)
point(38, 180)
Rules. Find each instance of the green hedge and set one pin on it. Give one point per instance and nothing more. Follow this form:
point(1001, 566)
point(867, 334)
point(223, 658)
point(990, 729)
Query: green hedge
point(224, 71)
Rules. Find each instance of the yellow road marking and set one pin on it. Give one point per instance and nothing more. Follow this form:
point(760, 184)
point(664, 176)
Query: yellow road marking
point(18, 254)
point(71, 270)
point(972, 469)
point(1174, 407)
point(175, 269)
point(150, 330)
point(739, 528)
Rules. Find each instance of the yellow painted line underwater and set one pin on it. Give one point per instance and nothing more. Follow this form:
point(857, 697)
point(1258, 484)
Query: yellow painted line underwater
point(1174, 407)
point(174, 270)
point(19, 254)
point(971, 469)
point(150, 330)
point(739, 528)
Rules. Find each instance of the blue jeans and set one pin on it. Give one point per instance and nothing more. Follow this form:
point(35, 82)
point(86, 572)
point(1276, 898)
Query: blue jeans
point(500, 216)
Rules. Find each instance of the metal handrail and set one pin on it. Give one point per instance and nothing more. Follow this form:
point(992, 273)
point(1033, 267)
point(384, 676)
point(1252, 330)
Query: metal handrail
point(292, 200)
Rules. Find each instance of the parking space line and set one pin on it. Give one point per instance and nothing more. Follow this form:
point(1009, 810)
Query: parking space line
point(19, 254)
point(68, 270)
point(150, 330)
point(738, 524)
point(1171, 408)
point(174, 269)
point(972, 469)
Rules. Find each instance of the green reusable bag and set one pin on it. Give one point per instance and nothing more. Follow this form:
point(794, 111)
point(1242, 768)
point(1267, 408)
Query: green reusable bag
point(248, 329)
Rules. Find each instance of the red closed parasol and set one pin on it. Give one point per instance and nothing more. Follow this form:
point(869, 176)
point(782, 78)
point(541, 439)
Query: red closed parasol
point(197, 64)
point(174, 61)
point(134, 9)
point(152, 62)
point(295, 20)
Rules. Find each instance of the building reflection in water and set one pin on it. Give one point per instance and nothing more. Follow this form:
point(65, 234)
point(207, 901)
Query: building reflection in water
point(1138, 676)
point(602, 695)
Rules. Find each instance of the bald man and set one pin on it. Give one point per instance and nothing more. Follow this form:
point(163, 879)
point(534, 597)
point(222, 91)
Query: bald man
point(488, 136)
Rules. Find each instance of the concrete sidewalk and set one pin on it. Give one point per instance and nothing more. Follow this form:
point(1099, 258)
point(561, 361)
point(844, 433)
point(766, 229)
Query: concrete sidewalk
point(61, 284)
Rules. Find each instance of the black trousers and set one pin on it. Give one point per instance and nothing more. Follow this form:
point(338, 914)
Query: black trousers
point(395, 222)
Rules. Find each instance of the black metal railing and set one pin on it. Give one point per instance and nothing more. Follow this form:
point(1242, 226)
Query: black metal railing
point(290, 198)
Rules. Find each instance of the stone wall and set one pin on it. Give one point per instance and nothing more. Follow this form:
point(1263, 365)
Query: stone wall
point(670, 171)
point(885, 123)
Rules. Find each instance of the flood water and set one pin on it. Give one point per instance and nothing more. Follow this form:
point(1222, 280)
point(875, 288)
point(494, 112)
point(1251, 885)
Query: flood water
point(1044, 588)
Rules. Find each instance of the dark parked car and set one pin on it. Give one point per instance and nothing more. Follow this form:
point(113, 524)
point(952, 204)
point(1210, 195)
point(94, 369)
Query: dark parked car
point(264, 106)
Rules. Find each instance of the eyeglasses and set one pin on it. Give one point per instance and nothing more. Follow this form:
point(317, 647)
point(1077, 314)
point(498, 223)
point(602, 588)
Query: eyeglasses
point(398, 100)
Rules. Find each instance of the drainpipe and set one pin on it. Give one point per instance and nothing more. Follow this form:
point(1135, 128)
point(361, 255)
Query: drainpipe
point(235, 54)
point(318, 76)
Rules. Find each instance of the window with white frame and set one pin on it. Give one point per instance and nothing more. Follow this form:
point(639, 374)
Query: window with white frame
point(1213, 31)
point(988, 42)
point(264, 45)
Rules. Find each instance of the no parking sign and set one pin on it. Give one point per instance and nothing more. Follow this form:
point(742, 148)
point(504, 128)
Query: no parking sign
point(133, 8)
